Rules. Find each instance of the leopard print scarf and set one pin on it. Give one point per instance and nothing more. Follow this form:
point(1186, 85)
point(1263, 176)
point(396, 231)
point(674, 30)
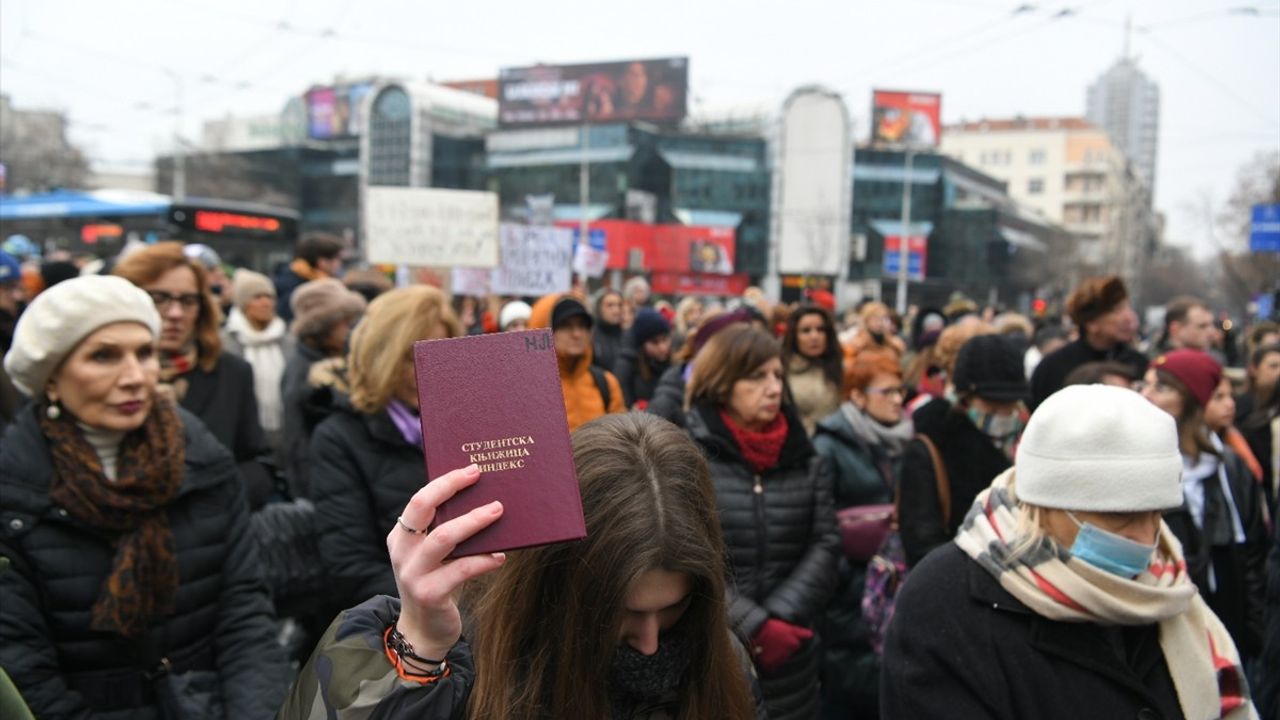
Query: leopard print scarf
point(144, 573)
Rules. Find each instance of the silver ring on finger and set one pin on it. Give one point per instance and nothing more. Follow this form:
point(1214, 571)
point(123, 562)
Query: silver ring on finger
point(403, 524)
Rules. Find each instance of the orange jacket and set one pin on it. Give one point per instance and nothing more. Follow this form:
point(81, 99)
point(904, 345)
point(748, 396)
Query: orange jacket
point(582, 399)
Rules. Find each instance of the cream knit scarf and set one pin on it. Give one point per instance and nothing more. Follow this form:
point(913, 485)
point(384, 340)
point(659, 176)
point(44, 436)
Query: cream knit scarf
point(264, 350)
point(1200, 655)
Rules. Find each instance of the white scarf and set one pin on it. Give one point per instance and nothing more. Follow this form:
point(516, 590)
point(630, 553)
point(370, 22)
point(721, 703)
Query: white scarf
point(264, 350)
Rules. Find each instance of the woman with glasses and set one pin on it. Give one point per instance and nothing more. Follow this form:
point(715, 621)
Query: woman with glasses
point(194, 371)
point(129, 584)
point(774, 499)
point(864, 441)
point(1220, 521)
point(974, 429)
point(367, 456)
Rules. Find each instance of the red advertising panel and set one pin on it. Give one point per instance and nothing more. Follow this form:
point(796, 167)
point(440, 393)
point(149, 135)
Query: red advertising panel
point(639, 246)
point(670, 283)
point(652, 90)
point(906, 118)
point(683, 248)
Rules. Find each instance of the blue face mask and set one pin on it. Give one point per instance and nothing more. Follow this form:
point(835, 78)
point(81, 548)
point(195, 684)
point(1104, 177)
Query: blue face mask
point(1109, 551)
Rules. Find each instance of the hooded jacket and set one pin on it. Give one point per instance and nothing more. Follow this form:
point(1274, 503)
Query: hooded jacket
point(583, 401)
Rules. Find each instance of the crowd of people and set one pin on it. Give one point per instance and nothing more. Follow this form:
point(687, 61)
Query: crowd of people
point(213, 504)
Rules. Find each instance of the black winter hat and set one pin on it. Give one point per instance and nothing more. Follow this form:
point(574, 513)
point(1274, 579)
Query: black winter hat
point(648, 325)
point(990, 366)
point(568, 307)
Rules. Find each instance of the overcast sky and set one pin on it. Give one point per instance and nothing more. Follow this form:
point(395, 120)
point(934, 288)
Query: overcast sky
point(119, 68)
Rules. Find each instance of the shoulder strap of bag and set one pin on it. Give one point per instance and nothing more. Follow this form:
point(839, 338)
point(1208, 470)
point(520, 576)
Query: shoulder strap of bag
point(602, 384)
point(940, 476)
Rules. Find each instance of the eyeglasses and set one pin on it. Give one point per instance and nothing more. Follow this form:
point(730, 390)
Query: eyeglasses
point(898, 390)
point(164, 300)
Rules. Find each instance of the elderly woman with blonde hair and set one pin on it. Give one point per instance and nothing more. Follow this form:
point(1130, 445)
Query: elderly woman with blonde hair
point(1064, 595)
point(367, 456)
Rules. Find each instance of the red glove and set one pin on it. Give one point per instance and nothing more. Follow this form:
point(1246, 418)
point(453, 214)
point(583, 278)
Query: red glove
point(775, 642)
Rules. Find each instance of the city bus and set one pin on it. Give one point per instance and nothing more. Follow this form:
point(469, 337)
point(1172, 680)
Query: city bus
point(100, 222)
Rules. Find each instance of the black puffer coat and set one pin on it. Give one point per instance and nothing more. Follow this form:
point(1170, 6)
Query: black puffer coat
point(668, 397)
point(783, 547)
point(363, 473)
point(1268, 695)
point(221, 628)
point(972, 461)
point(960, 646)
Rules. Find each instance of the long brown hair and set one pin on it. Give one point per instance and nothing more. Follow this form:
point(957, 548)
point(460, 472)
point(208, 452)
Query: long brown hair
point(145, 266)
point(547, 624)
point(729, 357)
point(832, 359)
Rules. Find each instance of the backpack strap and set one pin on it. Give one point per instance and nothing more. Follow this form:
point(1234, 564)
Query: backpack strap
point(602, 384)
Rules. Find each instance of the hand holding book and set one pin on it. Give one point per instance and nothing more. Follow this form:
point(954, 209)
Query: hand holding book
point(429, 617)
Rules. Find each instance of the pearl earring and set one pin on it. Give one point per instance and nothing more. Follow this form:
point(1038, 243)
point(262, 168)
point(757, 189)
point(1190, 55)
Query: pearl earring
point(54, 411)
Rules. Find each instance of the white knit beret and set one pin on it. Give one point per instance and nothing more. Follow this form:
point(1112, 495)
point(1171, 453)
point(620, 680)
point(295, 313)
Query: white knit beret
point(60, 317)
point(513, 311)
point(1102, 449)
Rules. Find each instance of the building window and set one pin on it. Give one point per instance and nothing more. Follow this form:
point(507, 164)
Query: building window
point(1035, 186)
point(1037, 157)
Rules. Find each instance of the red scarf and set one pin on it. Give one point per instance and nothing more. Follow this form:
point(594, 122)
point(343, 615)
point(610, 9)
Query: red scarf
point(760, 448)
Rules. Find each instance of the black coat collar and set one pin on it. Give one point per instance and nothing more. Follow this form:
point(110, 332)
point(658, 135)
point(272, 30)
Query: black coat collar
point(706, 426)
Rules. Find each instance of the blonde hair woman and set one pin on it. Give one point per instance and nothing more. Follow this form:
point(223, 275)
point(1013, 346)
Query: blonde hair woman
point(367, 456)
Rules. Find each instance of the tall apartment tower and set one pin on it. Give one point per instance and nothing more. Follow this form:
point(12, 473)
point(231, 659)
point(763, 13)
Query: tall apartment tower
point(1126, 104)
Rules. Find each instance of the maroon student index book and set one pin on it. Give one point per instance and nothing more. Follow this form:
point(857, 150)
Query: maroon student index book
point(495, 400)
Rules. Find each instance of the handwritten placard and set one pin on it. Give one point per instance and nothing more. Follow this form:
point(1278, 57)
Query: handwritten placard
point(429, 226)
point(535, 261)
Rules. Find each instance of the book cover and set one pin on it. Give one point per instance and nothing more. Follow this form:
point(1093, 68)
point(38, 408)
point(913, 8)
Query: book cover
point(495, 400)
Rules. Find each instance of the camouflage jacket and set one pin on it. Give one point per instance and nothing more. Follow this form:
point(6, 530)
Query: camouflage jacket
point(349, 677)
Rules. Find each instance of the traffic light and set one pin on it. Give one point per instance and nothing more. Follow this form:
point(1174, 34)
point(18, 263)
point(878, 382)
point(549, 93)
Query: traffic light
point(1039, 306)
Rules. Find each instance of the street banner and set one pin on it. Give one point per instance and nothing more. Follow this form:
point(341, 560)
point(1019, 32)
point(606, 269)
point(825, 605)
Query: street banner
point(1264, 232)
point(650, 90)
point(427, 226)
point(535, 261)
point(906, 118)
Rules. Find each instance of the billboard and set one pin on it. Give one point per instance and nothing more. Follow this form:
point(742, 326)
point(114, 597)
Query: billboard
point(1264, 230)
point(812, 186)
point(906, 118)
point(428, 226)
point(651, 90)
point(335, 112)
point(917, 255)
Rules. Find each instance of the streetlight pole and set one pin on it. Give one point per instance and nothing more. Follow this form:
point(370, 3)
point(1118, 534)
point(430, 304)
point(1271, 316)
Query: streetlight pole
point(904, 254)
point(584, 195)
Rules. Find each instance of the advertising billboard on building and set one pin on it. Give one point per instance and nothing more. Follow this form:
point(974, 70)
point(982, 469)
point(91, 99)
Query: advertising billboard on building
point(906, 118)
point(428, 226)
point(335, 112)
point(651, 90)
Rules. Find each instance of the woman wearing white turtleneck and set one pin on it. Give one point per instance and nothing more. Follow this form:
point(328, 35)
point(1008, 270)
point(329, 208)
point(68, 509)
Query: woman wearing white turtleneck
point(133, 588)
point(255, 333)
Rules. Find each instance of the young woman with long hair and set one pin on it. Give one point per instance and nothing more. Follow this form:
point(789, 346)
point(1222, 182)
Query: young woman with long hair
point(629, 623)
point(813, 360)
